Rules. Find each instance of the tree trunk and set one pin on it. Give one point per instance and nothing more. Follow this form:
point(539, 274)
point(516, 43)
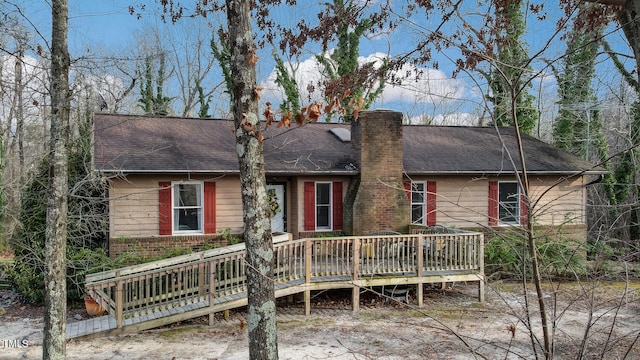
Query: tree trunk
point(629, 19)
point(263, 342)
point(54, 343)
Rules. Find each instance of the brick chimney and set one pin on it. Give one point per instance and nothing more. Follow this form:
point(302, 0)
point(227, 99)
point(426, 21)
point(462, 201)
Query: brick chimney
point(380, 202)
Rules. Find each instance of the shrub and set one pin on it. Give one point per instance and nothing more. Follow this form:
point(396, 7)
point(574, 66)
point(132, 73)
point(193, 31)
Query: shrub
point(509, 254)
point(86, 225)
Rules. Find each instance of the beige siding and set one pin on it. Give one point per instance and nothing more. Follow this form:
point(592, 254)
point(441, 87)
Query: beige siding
point(563, 204)
point(133, 209)
point(229, 205)
point(461, 202)
point(464, 201)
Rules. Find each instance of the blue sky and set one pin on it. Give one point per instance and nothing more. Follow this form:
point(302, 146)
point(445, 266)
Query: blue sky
point(107, 25)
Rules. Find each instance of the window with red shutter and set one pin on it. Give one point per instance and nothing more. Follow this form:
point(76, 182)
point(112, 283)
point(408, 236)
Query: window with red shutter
point(323, 206)
point(337, 205)
point(506, 203)
point(431, 203)
point(407, 190)
point(417, 199)
point(187, 207)
point(165, 208)
point(209, 207)
point(309, 206)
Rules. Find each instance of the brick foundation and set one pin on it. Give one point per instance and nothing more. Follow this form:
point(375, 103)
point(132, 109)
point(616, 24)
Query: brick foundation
point(157, 245)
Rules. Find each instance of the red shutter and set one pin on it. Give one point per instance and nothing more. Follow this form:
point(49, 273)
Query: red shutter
point(309, 206)
point(493, 203)
point(209, 204)
point(431, 203)
point(523, 208)
point(337, 205)
point(407, 189)
point(164, 211)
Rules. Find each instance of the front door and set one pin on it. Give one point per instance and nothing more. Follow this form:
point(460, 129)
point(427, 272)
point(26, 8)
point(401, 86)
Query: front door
point(275, 195)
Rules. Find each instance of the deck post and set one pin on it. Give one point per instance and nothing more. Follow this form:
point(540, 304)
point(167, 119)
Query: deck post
point(307, 277)
point(211, 295)
point(355, 295)
point(201, 277)
point(119, 302)
point(420, 265)
point(481, 267)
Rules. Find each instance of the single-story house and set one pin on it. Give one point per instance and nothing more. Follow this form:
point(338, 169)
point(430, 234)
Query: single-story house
point(175, 181)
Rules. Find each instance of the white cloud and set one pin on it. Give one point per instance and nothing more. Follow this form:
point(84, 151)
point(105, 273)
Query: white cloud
point(423, 85)
point(417, 86)
point(453, 119)
point(34, 84)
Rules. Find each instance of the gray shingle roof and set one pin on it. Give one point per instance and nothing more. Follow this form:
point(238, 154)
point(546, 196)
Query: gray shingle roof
point(140, 144)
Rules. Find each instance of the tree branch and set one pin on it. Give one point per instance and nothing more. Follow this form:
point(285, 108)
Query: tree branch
point(609, 2)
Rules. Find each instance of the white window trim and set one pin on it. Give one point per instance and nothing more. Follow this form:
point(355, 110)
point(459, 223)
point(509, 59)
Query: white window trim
point(330, 227)
point(517, 215)
point(173, 207)
point(423, 220)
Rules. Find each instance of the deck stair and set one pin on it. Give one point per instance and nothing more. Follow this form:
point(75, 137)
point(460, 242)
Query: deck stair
point(149, 295)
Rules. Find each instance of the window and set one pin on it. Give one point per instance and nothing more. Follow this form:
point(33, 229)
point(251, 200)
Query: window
point(417, 203)
point(323, 206)
point(422, 200)
point(187, 207)
point(506, 204)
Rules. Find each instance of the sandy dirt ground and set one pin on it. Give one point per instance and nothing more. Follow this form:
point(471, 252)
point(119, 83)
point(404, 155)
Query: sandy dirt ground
point(451, 325)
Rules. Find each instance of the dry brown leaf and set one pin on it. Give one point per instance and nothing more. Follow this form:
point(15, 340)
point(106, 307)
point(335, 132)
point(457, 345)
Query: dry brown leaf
point(346, 94)
point(256, 91)
point(252, 58)
point(329, 108)
point(355, 114)
point(314, 111)
point(300, 119)
point(269, 116)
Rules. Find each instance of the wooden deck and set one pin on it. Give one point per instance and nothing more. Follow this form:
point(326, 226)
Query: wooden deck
point(155, 294)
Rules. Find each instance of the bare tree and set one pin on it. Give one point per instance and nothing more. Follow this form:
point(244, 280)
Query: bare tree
point(263, 342)
point(54, 343)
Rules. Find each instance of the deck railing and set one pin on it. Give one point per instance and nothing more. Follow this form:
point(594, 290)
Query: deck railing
point(208, 278)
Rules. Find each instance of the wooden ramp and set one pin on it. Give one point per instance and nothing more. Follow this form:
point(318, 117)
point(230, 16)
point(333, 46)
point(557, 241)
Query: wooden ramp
point(163, 292)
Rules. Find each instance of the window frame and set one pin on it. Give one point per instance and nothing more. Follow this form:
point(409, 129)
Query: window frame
point(423, 204)
point(328, 206)
point(516, 203)
point(175, 185)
